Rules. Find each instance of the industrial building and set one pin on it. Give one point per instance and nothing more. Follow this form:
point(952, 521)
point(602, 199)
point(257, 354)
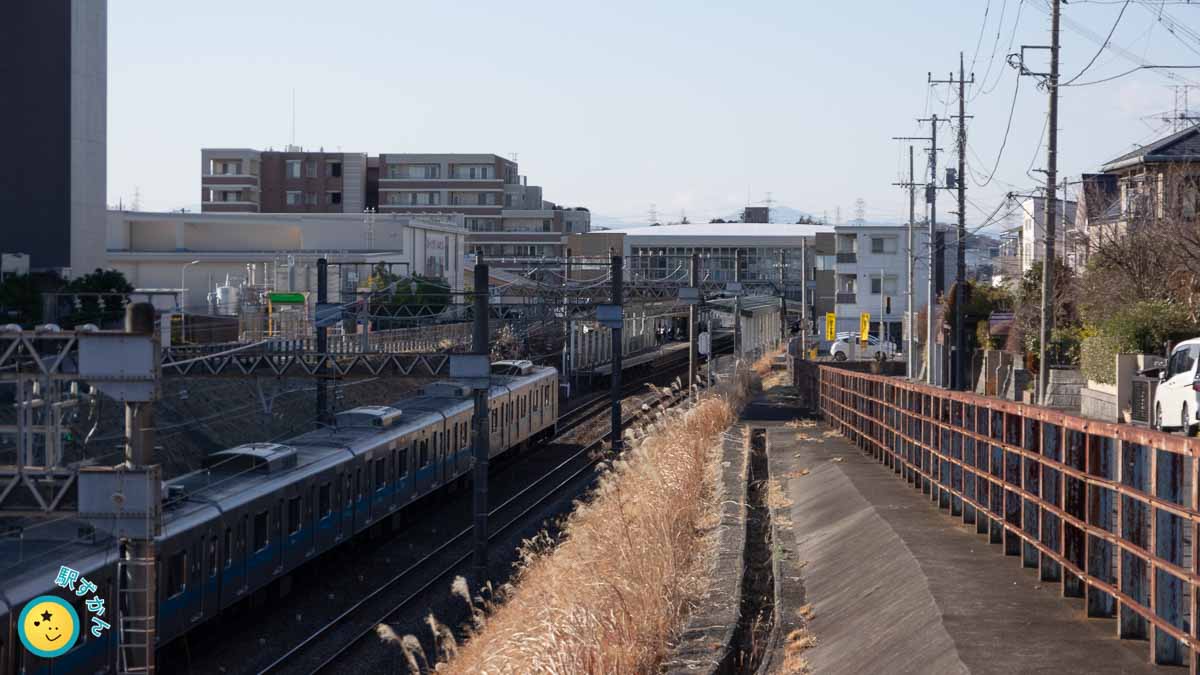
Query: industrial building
point(196, 252)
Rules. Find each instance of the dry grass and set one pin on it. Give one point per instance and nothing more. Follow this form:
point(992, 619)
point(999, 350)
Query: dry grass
point(798, 642)
point(633, 560)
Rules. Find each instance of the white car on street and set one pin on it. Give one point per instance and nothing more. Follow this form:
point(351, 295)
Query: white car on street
point(842, 349)
point(1177, 398)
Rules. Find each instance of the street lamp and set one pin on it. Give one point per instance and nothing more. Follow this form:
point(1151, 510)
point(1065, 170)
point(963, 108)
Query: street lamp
point(183, 300)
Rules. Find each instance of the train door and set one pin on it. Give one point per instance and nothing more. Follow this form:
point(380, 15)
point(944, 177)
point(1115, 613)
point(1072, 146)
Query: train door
point(210, 604)
point(310, 519)
point(277, 536)
point(240, 563)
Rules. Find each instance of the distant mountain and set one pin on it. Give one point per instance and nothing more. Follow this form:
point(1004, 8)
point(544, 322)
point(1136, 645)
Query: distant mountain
point(779, 214)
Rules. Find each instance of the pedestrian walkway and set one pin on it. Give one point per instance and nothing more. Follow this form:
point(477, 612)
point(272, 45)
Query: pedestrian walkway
point(886, 583)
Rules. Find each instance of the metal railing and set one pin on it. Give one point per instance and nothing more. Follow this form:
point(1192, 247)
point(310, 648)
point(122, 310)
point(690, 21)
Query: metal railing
point(1107, 510)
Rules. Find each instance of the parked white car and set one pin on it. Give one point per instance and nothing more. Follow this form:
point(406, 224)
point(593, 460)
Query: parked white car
point(842, 349)
point(1177, 398)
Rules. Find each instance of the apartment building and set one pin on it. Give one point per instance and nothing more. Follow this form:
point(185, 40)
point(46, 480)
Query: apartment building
point(1033, 229)
point(240, 180)
point(508, 221)
point(870, 264)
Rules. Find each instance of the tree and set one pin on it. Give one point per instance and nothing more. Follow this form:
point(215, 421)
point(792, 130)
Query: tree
point(1027, 313)
point(717, 220)
point(405, 296)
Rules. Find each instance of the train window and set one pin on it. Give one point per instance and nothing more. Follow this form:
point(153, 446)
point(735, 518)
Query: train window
point(261, 520)
point(324, 503)
point(423, 458)
point(380, 474)
point(241, 537)
point(212, 557)
point(349, 492)
point(294, 515)
point(176, 573)
point(402, 463)
point(493, 421)
point(228, 547)
point(358, 486)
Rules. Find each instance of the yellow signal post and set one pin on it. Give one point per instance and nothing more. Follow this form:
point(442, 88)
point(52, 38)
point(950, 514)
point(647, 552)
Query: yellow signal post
point(830, 326)
point(864, 328)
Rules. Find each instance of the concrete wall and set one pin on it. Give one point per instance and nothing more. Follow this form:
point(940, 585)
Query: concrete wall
point(89, 132)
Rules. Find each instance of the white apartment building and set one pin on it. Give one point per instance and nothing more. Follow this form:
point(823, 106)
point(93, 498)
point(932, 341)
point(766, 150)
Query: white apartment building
point(870, 264)
point(1033, 229)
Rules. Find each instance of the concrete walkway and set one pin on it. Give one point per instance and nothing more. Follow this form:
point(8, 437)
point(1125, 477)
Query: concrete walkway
point(889, 584)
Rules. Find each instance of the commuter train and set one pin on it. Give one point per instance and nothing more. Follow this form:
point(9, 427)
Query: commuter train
point(256, 512)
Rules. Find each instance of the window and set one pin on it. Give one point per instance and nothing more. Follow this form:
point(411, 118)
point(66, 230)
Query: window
point(310, 168)
point(423, 458)
point(310, 199)
point(335, 197)
point(260, 531)
point(349, 492)
point(293, 515)
point(486, 198)
point(358, 483)
point(176, 573)
point(494, 416)
point(380, 474)
point(294, 197)
point(547, 225)
point(876, 285)
point(291, 168)
point(883, 244)
point(228, 547)
point(402, 463)
point(333, 169)
point(324, 502)
point(508, 201)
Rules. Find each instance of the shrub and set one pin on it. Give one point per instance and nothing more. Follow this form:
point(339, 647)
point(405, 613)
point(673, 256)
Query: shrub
point(1098, 356)
point(1139, 327)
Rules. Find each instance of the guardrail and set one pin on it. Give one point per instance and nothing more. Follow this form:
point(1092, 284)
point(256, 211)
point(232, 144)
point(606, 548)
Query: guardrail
point(1108, 510)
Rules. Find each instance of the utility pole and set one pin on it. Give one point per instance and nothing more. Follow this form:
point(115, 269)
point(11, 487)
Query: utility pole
point(737, 306)
point(322, 340)
point(139, 627)
point(694, 282)
point(482, 440)
point(783, 326)
point(958, 358)
point(911, 184)
point(930, 199)
point(1051, 205)
point(911, 327)
point(803, 298)
point(617, 330)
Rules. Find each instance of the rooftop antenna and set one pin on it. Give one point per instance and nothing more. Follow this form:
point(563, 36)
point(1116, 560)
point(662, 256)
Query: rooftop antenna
point(513, 156)
point(770, 203)
point(293, 116)
point(653, 214)
point(136, 204)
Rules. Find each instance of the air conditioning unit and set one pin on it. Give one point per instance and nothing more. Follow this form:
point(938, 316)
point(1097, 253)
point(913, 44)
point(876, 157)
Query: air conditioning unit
point(369, 415)
point(447, 390)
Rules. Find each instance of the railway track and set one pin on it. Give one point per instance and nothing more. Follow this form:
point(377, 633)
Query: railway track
point(332, 642)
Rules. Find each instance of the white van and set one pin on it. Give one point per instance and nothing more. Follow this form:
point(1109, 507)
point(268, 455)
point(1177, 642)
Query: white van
point(1177, 399)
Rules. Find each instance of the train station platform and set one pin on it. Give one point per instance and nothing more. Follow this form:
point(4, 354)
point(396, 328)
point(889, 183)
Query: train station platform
point(873, 578)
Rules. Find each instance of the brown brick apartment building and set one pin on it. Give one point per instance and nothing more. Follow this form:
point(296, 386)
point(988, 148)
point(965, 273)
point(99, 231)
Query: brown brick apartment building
point(506, 218)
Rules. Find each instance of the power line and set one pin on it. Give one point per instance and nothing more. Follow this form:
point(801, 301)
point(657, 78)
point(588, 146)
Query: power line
point(1107, 40)
point(1130, 72)
point(1004, 142)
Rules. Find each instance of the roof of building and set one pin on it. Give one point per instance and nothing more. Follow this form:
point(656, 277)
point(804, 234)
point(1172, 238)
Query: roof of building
point(1182, 146)
point(429, 221)
point(740, 230)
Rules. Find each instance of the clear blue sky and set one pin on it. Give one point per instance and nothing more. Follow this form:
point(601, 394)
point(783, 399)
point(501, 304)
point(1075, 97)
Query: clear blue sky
point(618, 105)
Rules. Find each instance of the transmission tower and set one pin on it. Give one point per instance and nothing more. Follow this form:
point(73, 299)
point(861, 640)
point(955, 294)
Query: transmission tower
point(652, 214)
point(860, 211)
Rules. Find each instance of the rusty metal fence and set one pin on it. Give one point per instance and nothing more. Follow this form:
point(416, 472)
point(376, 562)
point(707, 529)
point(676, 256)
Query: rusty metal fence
point(1109, 511)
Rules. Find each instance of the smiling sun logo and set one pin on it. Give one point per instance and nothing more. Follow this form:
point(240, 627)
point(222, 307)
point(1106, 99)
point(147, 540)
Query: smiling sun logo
point(48, 626)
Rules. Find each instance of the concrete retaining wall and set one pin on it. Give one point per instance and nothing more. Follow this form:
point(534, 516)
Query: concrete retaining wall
point(706, 645)
point(1098, 405)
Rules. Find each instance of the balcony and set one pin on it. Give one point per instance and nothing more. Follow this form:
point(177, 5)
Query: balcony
point(847, 258)
point(844, 298)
